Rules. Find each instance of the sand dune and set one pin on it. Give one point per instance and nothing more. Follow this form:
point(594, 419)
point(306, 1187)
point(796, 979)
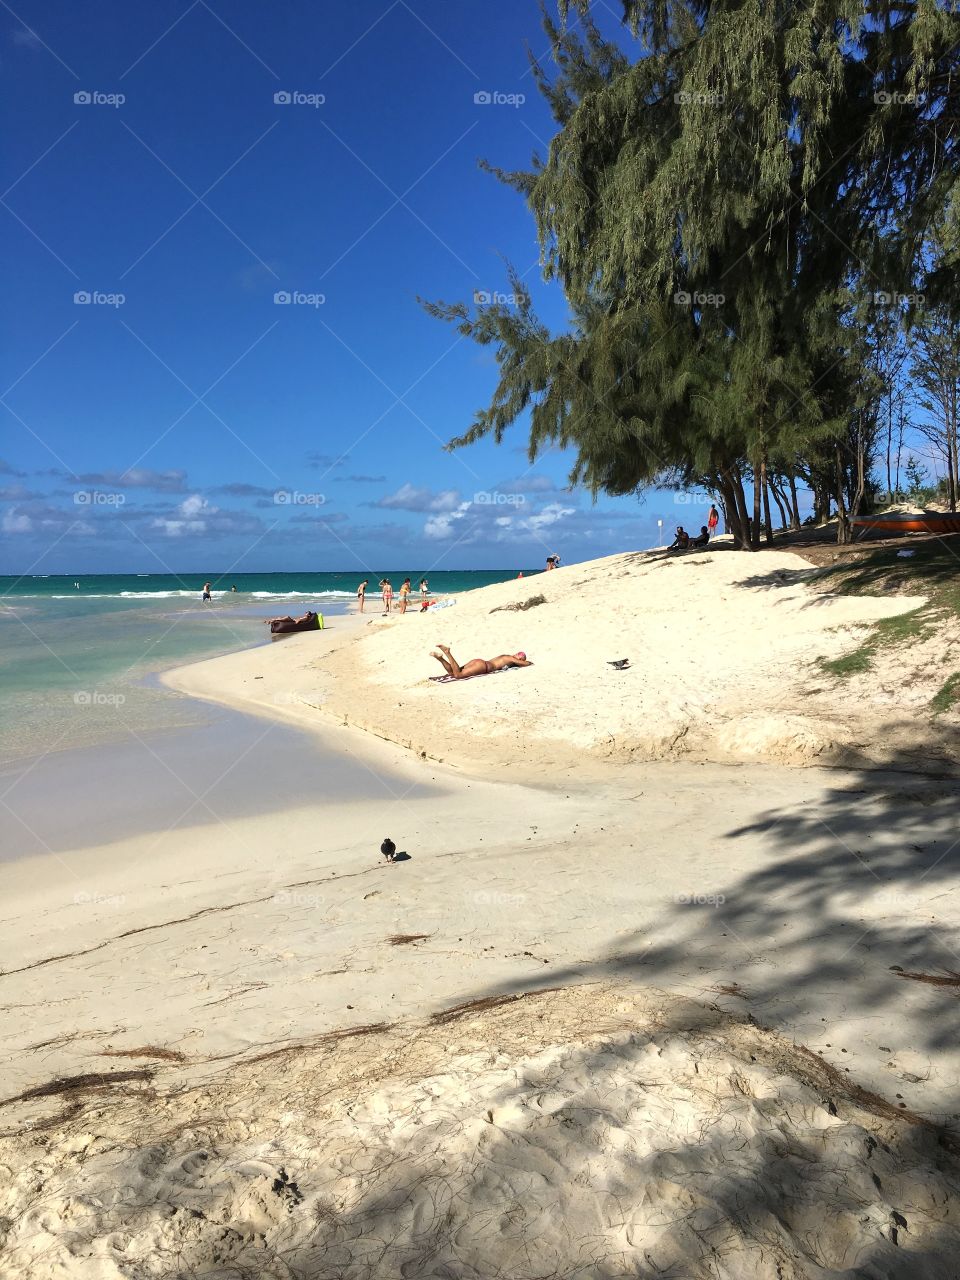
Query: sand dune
point(723, 648)
point(581, 1133)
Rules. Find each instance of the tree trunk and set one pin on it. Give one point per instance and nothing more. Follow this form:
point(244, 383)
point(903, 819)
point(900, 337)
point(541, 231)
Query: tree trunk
point(890, 447)
point(736, 504)
point(821, 501)
point(755, 523)
point(952, 444)
point(765, 489)
point(843, 524)
point(780, 499)
point(861, 484)
point(794, 504)
point(900, 426)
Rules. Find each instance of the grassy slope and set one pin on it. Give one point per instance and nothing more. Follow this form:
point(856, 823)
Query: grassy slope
point(932, 570)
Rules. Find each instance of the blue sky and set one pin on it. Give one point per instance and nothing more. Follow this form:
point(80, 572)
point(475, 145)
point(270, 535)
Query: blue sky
point(183, 418)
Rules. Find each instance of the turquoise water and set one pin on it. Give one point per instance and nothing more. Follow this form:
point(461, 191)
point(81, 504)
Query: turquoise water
point(78, 662)
point(250, 586)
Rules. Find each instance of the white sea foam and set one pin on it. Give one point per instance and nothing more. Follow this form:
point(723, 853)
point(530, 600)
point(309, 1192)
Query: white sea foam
point(192, 595)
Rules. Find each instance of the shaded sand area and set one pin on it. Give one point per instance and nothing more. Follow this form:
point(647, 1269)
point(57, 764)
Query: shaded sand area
point(587, 1133)
point(643, 1018)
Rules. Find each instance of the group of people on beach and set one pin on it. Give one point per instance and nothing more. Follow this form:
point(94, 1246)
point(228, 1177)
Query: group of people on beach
point(683, 540)
point(386, 592)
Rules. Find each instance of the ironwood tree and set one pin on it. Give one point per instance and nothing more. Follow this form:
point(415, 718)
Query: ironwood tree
point(724, 178)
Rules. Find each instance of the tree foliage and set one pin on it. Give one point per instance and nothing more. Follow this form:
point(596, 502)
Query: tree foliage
point(717, 204)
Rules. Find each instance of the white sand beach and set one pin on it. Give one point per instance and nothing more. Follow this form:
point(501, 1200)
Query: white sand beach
point(724, 652)
point(636, 1002)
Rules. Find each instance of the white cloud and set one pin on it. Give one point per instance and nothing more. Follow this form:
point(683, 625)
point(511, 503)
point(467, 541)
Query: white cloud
point(196, 515)
point(442, 526)
point(17, 522)
point(191, 517)
point(411, 498)
point(487, 522)
point(44, 518)
point(550, 515)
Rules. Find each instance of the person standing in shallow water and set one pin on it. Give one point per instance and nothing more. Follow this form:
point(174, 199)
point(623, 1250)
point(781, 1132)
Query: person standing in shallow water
point(206, 593)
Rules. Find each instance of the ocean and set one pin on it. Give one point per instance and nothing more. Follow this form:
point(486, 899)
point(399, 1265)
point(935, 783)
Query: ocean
point(250, 586)
point(79, 655)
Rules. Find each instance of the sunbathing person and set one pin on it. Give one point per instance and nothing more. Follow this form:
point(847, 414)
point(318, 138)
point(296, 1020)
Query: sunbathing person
point(681, 541)
point(702, 538)
point(477, 666)
point(288, 621)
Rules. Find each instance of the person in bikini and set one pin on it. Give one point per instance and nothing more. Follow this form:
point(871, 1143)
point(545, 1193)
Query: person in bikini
point(477, 666)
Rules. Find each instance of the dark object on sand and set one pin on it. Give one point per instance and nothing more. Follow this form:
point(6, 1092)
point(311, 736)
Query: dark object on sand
point(388, 849)
point(949, 977)
point(620, 664)
point(286, 626)
point(521, 606)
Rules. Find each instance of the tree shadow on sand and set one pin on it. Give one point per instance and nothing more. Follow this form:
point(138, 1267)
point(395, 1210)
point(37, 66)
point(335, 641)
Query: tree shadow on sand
point(767, 1188)
point(847, 897)
point(854, 887)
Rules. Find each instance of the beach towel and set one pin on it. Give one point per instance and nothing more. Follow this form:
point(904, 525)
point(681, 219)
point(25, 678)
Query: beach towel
point(445, 679)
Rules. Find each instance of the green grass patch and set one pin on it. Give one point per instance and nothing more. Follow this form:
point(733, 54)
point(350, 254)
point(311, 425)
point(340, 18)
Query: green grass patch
point(944, 699)
point(932, 571)
point(887, 633)
point(851, 664)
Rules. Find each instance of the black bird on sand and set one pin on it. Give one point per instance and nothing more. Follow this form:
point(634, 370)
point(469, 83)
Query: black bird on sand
point(388, 849)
